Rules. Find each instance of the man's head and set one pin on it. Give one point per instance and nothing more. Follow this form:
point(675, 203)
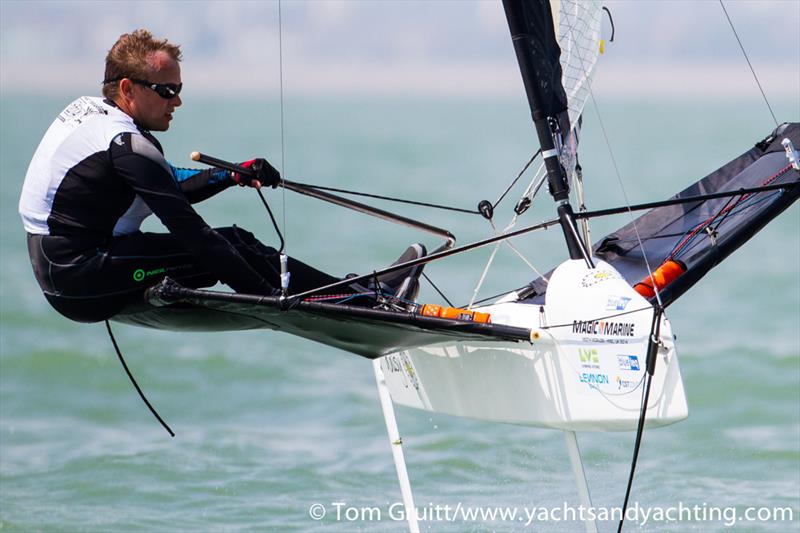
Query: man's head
point(142, 76)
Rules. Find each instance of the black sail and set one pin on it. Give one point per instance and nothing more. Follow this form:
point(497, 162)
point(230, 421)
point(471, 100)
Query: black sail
point(538, 55)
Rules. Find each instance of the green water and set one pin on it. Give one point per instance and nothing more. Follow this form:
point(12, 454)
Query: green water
point(268, 425)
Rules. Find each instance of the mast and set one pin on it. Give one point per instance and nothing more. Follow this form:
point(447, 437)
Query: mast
point(538, 54)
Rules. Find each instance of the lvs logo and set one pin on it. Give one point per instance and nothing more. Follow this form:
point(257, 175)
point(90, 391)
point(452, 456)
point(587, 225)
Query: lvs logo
point(588, 355)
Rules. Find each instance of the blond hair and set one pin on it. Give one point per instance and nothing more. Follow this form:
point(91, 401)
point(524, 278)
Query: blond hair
point(128, 58)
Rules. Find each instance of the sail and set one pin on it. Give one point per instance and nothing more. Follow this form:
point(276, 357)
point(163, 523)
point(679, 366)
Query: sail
point(577, 27)
point(557, 45)
point(698, 235)
point(538, 55)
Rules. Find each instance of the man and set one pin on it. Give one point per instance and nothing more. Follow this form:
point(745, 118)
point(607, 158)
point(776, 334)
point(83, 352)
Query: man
point(99, 172)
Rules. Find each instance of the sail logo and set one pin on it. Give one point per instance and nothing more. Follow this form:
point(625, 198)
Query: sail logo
point(599, 276)
point(628, 362)
point(617, 303)
point(594, 379)
point(603, 327)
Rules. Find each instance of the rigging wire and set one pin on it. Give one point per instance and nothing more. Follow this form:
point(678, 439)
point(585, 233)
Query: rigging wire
point(489, 262)
point(484, 300)
point(690, 199)
point(741, 46)
point(524, 203)
point(424, 275)
point(283, 143)
point(485, 271)
point(622, 188)
point(521, 172)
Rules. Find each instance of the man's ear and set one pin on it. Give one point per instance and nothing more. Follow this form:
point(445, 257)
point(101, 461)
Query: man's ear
point(126, 88)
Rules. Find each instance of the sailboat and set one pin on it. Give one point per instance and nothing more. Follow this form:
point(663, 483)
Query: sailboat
point(586, 346)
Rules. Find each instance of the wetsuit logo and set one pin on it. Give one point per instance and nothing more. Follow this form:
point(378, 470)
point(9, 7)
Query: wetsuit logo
point(139, 274)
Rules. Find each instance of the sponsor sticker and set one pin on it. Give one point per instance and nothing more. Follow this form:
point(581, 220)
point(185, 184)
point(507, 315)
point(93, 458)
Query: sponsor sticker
point(625, 384)
point(589, 357)
point(617, 303)
point(628, 362)
point(401, 364)
point(598, 276)
point(603, 327)
point(594, 379)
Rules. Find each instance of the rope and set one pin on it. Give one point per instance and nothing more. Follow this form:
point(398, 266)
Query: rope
point(741, 46)
point(274, 223)
point(136, 385)
point(724, 211)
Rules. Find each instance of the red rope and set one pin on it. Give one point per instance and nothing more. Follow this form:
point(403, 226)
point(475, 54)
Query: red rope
point(700, 227)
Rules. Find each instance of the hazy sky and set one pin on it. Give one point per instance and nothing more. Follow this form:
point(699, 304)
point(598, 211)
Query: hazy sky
point(396, 47)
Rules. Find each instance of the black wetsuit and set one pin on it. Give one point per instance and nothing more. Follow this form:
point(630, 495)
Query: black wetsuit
point(93, 179)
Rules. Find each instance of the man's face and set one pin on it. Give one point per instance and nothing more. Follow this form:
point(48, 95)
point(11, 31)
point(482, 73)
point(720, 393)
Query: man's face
point(148, 109)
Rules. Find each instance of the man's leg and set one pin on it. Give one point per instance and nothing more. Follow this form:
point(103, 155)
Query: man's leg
point(92, 284)
point(266, 261)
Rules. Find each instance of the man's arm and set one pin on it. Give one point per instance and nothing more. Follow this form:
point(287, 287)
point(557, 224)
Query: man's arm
point(199, 185)
point(138, 162)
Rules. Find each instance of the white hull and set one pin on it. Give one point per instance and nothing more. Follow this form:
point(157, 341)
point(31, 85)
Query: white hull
point(562, 379)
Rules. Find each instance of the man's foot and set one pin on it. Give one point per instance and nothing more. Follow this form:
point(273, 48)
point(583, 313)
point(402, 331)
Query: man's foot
point(403, 284)
point(395, 289)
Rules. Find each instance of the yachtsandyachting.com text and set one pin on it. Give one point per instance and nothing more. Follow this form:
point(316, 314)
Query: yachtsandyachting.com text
point(635, 513)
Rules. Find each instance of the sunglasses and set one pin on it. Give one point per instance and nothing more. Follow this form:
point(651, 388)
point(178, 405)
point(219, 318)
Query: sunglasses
point(164, 90)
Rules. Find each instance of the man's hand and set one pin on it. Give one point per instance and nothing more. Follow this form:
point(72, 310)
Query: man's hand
point(262, 174)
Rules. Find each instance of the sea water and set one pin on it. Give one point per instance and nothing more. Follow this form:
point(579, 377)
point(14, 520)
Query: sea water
point(270, 427)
